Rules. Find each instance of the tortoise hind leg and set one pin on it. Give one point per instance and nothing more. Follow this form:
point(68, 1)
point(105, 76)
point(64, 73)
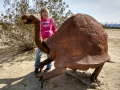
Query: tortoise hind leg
point(96, 73)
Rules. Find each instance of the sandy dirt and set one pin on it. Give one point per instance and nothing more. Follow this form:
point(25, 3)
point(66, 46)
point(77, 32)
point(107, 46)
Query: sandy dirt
point(16, 71)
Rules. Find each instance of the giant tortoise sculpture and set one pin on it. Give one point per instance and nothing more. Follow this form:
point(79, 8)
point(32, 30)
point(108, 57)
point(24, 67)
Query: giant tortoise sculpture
point(80, 43)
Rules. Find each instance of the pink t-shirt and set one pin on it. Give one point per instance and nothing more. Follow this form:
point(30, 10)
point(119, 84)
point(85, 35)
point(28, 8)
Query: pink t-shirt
point(48, 27)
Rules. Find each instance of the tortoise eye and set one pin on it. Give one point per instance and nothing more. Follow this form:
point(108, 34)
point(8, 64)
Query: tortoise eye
point(31, 17)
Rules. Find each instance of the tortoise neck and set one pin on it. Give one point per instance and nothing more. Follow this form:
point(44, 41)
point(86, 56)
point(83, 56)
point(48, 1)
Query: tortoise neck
point(39, 40)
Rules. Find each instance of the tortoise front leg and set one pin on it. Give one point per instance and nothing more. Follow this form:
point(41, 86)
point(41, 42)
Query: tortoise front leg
point(43, 63)
point(96, 73)
point(51, 74)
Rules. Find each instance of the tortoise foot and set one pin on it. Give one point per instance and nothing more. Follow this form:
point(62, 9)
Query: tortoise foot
point(42, 81)
point(94, 79)
point(40, 65)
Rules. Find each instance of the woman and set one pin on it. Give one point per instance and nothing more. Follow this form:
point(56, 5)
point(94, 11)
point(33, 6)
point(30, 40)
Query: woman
point(48, 29)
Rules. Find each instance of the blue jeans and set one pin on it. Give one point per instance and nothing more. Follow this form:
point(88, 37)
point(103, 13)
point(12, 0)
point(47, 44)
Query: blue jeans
point(38, 58)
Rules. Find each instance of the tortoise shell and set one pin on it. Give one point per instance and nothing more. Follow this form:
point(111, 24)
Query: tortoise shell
point(80, 42)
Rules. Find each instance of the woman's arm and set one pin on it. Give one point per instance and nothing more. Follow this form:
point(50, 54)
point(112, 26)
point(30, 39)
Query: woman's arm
point(53, 25)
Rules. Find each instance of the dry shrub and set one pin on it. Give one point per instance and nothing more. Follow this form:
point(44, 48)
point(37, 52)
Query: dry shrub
point(18, 36)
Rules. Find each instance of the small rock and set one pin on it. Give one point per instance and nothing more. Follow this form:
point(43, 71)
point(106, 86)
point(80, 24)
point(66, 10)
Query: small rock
point(1, 66)
point(98, 88)
point(94, 85)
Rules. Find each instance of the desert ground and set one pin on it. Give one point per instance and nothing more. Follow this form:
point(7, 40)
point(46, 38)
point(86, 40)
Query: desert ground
point(16, 70)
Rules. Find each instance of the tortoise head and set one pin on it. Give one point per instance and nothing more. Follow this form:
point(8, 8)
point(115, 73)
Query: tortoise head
point(31, 19)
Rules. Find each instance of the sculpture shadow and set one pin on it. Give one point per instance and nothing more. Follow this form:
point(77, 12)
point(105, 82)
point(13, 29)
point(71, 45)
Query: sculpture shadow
point(71, 80)
point(28, 82)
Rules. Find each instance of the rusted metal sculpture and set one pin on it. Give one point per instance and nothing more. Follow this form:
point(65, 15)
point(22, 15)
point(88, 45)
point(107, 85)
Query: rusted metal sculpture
point(80, 43)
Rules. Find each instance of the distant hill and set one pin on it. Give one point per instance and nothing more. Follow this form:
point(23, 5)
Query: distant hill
point(113, 25)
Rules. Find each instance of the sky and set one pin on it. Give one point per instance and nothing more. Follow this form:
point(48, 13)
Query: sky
point(102, 10)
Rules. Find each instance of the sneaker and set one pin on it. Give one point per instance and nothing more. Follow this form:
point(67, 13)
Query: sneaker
point(36, 71)
point(47, 69)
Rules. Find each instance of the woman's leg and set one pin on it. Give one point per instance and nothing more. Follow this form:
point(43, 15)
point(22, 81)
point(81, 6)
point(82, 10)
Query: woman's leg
point(38, 57)
point(50, 64)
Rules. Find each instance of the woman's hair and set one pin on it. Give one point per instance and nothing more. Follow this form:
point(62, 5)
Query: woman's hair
point(44, 10)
